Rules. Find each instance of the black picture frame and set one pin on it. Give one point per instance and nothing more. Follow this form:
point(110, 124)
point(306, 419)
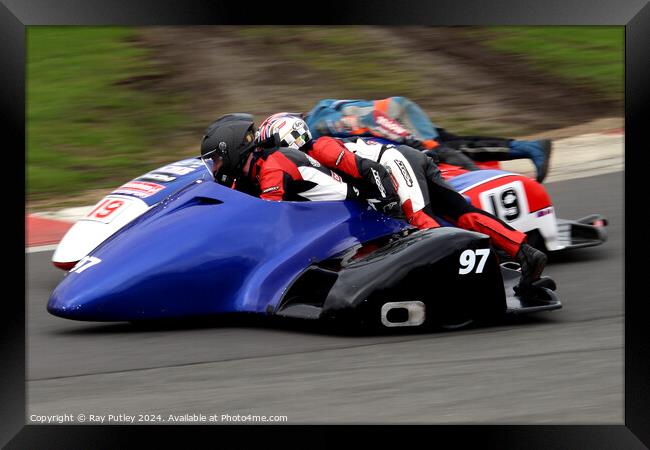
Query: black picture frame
point(15, 15)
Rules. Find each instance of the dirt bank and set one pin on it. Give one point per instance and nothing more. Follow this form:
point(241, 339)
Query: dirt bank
point(460, 83)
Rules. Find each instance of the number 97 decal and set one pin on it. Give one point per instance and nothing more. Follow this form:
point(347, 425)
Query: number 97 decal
point(468, 260)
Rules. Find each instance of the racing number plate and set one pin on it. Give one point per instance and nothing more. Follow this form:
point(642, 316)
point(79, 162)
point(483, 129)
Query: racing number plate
point(108, 209)
point(508, 202)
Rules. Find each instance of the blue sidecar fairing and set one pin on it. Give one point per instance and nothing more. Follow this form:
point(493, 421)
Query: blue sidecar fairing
point(209, 250)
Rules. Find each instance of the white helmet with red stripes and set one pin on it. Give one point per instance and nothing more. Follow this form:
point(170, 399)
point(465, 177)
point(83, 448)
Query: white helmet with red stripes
point(290, 128)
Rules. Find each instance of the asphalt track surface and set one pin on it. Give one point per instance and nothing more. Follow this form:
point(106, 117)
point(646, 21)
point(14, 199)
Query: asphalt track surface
point(560, 367)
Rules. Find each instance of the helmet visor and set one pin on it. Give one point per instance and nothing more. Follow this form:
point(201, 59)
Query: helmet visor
point(212, 161)
point(220, 160)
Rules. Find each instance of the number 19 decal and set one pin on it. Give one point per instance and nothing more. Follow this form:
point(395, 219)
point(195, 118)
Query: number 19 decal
point(468, 260)
point(508, 202)
point(107, 209)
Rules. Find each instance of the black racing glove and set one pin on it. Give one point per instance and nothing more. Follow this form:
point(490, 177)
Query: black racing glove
point(378, 189)
point(393, 209)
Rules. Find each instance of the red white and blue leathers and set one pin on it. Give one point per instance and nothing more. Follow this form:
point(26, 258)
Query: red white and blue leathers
point(289, 174)
point(424, 194)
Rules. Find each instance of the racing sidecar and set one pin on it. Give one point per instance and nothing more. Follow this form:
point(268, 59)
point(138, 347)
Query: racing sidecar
point(524, 204)
point(206, 249)
point(519, 201)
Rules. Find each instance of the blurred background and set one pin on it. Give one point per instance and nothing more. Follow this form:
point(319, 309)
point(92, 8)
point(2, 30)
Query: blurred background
point(106, 104)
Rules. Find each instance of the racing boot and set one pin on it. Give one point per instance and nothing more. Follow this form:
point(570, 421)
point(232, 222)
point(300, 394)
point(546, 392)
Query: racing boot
point(532, 262)
point(449, 155)
point(537, 151)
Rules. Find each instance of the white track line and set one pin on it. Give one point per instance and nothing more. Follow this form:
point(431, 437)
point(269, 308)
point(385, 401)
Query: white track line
point(41, 248)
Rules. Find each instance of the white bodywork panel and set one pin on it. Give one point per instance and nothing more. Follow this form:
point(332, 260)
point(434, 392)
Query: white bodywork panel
point(109, 215)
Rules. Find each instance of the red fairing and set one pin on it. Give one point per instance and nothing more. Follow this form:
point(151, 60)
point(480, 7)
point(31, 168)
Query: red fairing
point(537, 196)
point(451, 171)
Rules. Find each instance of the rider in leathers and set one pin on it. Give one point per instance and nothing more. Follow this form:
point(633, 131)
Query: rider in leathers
point(274, 173)
point(401, 120)
point(421, 190)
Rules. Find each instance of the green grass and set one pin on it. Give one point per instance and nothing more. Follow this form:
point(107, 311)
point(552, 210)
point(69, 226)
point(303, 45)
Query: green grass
point(90, 115)
point(590, 56)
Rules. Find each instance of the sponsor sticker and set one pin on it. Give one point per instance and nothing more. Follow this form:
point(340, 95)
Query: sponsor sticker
point(390, 126)
point(189, 162)
point(405, 173)
point(338, 160)
point(176, 169)
point(157, 177)
point(313, 161)
point(380, 186)
point(140, 189)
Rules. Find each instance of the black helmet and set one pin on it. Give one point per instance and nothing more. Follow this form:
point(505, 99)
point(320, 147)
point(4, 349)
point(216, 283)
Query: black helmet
point(230, 138)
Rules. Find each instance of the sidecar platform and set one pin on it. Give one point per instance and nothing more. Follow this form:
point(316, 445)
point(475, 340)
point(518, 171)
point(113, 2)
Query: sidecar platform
point(540, 298)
